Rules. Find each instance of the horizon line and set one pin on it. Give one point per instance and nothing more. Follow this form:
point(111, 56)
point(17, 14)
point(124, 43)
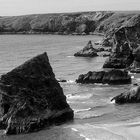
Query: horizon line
point(68, 12)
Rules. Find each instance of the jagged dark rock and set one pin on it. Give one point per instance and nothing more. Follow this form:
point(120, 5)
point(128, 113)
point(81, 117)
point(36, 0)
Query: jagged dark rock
point(107, 42)
point(131, 96)
point(110, 77)
point(87, 51)
point(121, 56)
point(102, 49)
point(135, 67)
point(32, 98)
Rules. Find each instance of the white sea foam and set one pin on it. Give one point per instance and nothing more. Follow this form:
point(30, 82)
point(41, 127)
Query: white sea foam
point(70, 81)
point(84, 137)
point(112, 102)
point(70, 56)
point(80, 97)
point(74, 129)
point(132, 77)
point(81, 110)
point(100, 84)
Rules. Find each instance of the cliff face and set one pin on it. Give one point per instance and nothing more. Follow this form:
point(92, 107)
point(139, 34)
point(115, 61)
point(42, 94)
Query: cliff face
point(126, 39)
point(117, 21)
point(121, 55)
point(79, 23)
point(32, 98)
point(104, 22)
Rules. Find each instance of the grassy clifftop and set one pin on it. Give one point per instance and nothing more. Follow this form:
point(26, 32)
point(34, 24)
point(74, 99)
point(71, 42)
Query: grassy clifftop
point(119, 20)
point(61, 23)
point(70, 23)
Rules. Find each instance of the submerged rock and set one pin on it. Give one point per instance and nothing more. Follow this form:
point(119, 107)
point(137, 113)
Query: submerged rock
point(109, 77)
point(87, 51)
point(131, 96)
point(32, 98)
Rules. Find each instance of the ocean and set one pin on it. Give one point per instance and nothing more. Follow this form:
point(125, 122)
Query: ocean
point(95, 116)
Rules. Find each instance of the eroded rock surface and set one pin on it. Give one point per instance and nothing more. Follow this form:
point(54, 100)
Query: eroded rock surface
point(32, 98)
point(121, 55)
point(109, 77)
point(87, 51)
point(131, 96)
point(135, 67)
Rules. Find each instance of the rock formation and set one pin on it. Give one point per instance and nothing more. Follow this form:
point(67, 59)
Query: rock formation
point(79, 23)
point(110, 77)
point(87, 51)
point(107, 42)
point(121, 56)
point(135, 67)
point(131, 96)
point(32, 98)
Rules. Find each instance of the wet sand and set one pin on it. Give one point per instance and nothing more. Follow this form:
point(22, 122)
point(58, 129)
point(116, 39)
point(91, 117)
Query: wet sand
point(84, 132)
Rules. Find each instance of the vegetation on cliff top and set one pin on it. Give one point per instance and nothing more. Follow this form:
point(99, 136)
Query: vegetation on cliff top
point(105, 22)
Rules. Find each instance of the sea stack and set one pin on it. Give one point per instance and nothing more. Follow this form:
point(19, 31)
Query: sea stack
point(87, 51)
point(32, 98)
point(121, 55)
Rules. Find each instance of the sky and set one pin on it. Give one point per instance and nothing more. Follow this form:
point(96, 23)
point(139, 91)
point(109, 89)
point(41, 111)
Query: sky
point(23, 7)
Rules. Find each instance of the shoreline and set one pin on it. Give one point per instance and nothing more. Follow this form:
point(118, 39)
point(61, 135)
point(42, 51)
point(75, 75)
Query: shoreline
point(48, 33)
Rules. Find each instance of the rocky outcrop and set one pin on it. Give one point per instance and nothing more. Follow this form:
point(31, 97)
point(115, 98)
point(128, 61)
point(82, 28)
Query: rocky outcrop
point(31, 98)
point(135, 67)
point(121, 56)
point(87, 51)
point(131, 96)
point(107, 42)
point(79, 23)
point(117, 21)
point(109, 77)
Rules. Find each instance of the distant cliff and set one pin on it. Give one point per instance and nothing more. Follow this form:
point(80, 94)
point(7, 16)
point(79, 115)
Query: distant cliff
point(117, 21)
point(104, 22)
point(70, 23)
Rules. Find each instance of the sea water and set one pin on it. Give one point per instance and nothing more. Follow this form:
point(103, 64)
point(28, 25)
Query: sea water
point(93, 109)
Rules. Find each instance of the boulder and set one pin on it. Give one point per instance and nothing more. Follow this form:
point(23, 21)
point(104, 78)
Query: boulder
point(131, 96)
point(121, 55)
point(87, 51)
point(106, 77)
point(31, 98)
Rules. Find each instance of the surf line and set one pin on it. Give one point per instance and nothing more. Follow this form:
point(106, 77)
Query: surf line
point(84, 137)
point(81, 135)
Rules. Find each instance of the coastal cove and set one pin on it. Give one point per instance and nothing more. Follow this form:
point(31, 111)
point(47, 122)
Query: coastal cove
point(94, 112)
